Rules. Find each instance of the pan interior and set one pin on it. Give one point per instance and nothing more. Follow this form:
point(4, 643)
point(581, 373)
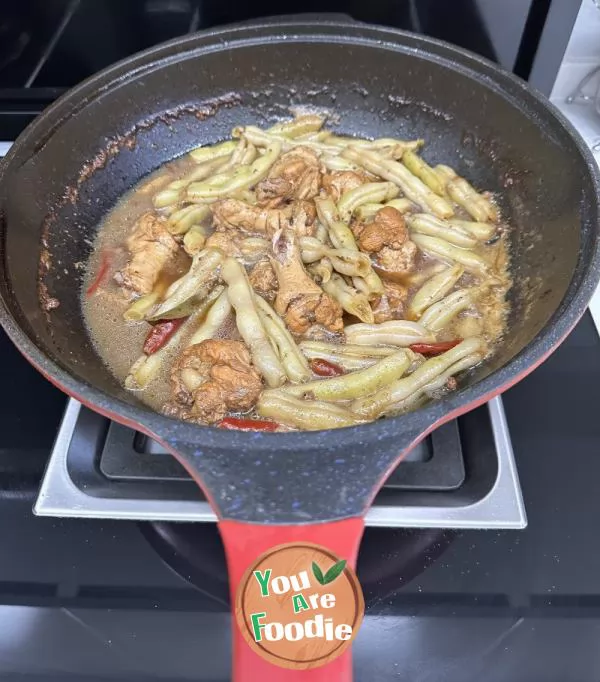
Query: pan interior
point(57, 190)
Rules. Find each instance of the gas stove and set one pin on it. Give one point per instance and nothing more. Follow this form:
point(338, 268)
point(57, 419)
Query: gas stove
point(461, 476)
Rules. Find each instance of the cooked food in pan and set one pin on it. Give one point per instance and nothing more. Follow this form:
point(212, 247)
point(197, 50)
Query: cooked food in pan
point(293, 278)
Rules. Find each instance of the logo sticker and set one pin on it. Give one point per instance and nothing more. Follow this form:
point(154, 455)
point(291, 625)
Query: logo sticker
point(299, 605)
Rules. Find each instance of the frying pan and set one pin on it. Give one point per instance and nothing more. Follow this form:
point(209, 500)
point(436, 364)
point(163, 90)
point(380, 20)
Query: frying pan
point(74, 162)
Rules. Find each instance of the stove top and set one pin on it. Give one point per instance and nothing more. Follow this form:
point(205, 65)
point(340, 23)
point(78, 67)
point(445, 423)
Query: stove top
point(462, 476)
point(82, 595)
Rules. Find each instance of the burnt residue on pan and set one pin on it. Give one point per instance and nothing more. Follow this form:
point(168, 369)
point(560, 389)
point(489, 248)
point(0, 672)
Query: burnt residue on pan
point(128, 139)
point(111, 148)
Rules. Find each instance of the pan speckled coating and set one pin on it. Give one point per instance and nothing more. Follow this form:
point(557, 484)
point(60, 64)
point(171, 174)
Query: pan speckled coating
point(74, 162)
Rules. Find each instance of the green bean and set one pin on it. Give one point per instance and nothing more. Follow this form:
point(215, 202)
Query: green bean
point(213, 151)
point(174, 192)
point(203, 171)
point(368, 211)
point(395, 172)
point(319, 136)
point(322, 234)
point(216, 317)
point(242, 178)
point(423, 223)
point(360, 284)
point(438, 248)
point(166, 197)
point(355, 384)
point(242, 298)
point(262, 138)
point(308, 415)
point(140, 307)
point(391, 333)
point(346, 261)
point(340, 234)
point(350, 299)
point(373, 283)
point(402, 145)
point(434, 290)
point(481, 231)
point(150, 187)
point(348, 356)
point(441, 313)
point(249, 155)
point(254, 249)
point(445, 173)
point(423, 171)
point(294, 363)
point(145, 369)
point(348, 363)
point(189, 289)
point(336, 163)
point(418, 278)
point(342, 237)
point(181, 220)
point(423, 394)
point(321, 271)
point(379, 403)
point(403, 205)
point(243, 155)
point(461, 192)
point(370, 192)
point(245, 195)
point(346, 349)
point(219, 178)
point(194, 239)
point(301, 125)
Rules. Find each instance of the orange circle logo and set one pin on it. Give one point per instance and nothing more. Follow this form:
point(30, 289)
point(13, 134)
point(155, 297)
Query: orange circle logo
point(299, 605)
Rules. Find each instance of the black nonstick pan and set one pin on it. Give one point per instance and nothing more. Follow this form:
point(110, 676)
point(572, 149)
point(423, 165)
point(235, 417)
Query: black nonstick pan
point(74, 162)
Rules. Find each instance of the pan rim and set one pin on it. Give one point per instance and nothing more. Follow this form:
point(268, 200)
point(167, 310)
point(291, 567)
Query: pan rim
point(412, 424)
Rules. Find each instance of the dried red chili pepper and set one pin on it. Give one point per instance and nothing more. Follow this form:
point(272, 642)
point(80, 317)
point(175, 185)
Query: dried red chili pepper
point(324, 368)
point(160, 333)
point(103, 268)
point(236, 424)
point(434, 348)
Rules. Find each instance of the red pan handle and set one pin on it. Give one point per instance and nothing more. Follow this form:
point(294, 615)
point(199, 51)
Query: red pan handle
point(244, 542)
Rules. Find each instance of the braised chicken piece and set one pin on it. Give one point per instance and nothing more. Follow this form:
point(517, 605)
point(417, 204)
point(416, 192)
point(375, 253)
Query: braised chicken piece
point(390, 306)
point(302, 216)
point(296, 175)
point(338, 183)
point(314, 316)
point(227, 242)
point(212, 378)
point(300, 300)
point(231, 214)
point(151, 246)
point(264, 280)
point(386, 237)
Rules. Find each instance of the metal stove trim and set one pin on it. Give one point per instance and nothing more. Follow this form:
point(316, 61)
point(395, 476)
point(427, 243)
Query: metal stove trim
point(502, 508)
